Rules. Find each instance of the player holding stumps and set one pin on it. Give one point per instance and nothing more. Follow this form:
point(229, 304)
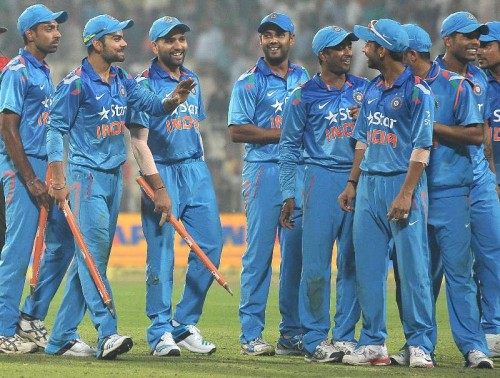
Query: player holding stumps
point(90, 105)
point(318, 117)
point(394, 134)
point(177, 151)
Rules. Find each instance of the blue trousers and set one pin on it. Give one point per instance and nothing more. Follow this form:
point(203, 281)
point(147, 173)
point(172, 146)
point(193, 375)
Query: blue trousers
point(485, 221)
point(95, 199)
point(191, 191)
point(21, 213)
point(262, 200)
point(449, 242)
point(372, 233)
point(325, 223)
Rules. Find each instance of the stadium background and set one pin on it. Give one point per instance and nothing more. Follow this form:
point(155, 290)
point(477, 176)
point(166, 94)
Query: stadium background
point(223, 43)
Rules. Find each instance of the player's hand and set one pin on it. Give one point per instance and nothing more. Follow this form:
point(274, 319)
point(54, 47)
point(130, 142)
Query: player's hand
point(286, 216)
point(400, 207)
point(346, 198)
point(60, 195)
point(183, 89)
point(163, 205)
point(40, 192)
point(354, 112)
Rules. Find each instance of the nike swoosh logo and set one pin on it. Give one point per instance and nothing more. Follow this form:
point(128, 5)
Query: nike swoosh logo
point(269, 94)
point(370, 101)
point(99, 97)
point(42, 86)
point(467, 225)
point(412, 223)
point(321, 106)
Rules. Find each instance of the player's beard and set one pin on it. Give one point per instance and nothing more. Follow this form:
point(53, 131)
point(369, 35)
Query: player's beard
point(166, 59)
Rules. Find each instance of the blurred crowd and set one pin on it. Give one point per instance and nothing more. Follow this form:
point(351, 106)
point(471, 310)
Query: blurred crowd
point(223, 43)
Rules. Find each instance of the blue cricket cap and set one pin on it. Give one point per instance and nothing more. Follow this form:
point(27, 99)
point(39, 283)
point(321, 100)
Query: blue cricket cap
point(493, 32)
point(387, 33)
point(280, 20)
point(37, 14)
point(462, 22)
point(330, 36)
point(418, 38)
point(101, 25)
point(164, 25)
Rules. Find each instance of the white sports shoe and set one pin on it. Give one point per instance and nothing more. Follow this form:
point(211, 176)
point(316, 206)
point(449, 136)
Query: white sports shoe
point(258, 347)
point(368, 355)
point(477, 359)
point(16, 345)
point(195, 342)
point(33, 330)
point(419, 359)
point(402, 358)
point(77, 348)
point(166, 346)
point(324, 352)
point(493, 341)
point(114, 345)
point(347, 347)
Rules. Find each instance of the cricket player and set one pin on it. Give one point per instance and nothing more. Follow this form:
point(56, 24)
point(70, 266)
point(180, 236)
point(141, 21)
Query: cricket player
point(461, 32)
point(255, 118)
point(488, 55)
point(318, 116)
point(394, 134)
point(26, 92)
point(457, 123)
point(176, 147)
point(90, 105)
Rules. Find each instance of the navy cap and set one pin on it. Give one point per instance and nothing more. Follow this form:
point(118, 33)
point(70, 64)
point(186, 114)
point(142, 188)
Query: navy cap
point(330, 36)
point(101, 25)
point(36, 14)
point(164, 25)
point(279, 19)
point(493, 32)
point(418, 38)
point(462, 22)
point(387, 33)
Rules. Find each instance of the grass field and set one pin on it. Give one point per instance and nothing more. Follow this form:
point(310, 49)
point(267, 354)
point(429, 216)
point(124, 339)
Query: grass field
point(220, 325)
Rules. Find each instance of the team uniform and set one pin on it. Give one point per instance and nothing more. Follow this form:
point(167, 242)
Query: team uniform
point(393, 122)
point(493, 116)
point(317, 119)
point(27, 89)
point(485, 216)
point(449, 179)
point(258, 98)
point(93, 113)
point(176, 145)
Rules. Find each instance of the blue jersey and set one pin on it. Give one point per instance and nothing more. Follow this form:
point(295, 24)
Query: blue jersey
point(93, 113)
point(480, 164)
point(316, 117)
point(258, 99)
point(493, 116)
point(26, 89)
point(393, 122)
point(174, 137)
point(449, 172)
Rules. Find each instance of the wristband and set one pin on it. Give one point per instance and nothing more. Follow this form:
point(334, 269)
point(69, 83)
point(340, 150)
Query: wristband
point(58, 187)
point(353, 182)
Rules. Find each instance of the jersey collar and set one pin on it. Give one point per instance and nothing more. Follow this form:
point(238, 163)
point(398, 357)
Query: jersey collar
point(264, 68)
point(348, 83)
point(89, 70)
point(34, 61)
point(156, 69)
point(397, 83)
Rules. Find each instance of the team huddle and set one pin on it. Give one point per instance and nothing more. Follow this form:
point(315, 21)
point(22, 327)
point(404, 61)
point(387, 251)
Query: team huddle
point(399, 168)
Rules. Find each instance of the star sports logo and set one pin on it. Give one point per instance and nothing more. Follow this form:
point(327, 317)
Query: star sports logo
point(378, 118)
point(116, 111)
point(343, 113)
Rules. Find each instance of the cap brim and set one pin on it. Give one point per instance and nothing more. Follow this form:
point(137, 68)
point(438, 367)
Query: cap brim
point(362, 32)
point(337, 41)
point(184, 28)
point(61, 16)
point(120, 26)
point(2, 30)
point(487, 38)
point(266, 24)
point(482, 29)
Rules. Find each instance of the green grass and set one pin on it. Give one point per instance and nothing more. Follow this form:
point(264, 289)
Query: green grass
point(218, 324)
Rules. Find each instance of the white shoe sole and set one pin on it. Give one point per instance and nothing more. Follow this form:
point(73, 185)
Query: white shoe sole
point(189, 347)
